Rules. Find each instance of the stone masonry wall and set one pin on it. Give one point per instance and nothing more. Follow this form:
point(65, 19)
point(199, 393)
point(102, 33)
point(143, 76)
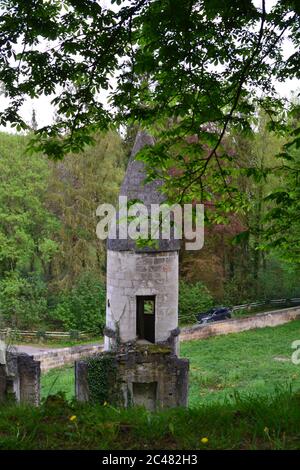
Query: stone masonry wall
point(132, 274)
point(2, 383)
point(235, 325)
point(169, 373)
point(63, 356)
point(20, 379)
point(154, 378)
point(29, 375)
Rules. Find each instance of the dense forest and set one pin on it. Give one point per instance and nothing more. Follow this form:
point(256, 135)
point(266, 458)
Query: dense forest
point(201, 77)
point(52, 265)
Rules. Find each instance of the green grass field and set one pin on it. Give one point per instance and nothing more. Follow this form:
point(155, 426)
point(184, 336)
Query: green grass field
point(269, 422)
point(252, 362)
point(256, 361)
point(58, 380)
point(244, 394)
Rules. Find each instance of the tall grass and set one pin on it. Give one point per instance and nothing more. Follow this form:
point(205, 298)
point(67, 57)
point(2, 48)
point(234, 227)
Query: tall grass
point(255, 422)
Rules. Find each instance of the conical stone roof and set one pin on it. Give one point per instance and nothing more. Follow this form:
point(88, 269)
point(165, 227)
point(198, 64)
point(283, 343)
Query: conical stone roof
point(133, 188)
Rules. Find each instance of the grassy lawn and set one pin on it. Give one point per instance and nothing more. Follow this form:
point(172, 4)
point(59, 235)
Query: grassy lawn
point(256, 361)
point(240, 398)
point(253, 423)
point(253, 362)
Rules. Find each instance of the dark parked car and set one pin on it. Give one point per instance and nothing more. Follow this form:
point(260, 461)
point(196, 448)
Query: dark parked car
point(214, 314)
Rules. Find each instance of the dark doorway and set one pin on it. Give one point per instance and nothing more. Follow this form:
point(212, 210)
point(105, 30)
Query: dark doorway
point(145, 317)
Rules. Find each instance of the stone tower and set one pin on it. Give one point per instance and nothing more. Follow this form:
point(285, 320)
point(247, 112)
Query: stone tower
point(142, 283)
point(140, 363)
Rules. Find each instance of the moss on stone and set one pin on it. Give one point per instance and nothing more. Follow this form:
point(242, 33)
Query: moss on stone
point(155, 349)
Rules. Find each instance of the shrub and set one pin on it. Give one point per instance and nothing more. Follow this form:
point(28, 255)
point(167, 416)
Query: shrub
point(23, 301)
point(193, 299)
point(83, 307)
point(240, 290)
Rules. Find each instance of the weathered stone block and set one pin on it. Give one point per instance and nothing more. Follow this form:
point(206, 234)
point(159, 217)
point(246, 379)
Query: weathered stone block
point(2, 383)
point(81, 381)
point(20, 379)
point(29, 372)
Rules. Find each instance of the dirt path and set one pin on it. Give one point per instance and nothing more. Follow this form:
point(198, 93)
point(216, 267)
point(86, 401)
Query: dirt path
point(32, 350)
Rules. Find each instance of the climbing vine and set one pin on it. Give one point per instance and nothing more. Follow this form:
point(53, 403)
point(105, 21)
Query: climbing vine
point(103, 379)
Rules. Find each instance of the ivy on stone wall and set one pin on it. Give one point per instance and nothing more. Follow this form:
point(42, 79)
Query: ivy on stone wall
point(103, 379)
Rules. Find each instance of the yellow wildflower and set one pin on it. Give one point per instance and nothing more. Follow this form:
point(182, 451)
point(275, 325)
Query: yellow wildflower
point(73, 418)
point(105, 403)
point(204, 440)
point(266, 430)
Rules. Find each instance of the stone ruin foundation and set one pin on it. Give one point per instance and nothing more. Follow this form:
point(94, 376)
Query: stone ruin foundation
point(20, 379)
point(150, 375)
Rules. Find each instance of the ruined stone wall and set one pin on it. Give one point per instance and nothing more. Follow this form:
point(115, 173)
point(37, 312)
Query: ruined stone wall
point(29, 376)
point(20, 379)
point(152, 377)
point(2, 383)
point(156, 381)
point(132, 274)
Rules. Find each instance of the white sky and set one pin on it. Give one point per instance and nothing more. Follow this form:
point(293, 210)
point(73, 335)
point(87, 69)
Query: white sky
point(45, 111)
